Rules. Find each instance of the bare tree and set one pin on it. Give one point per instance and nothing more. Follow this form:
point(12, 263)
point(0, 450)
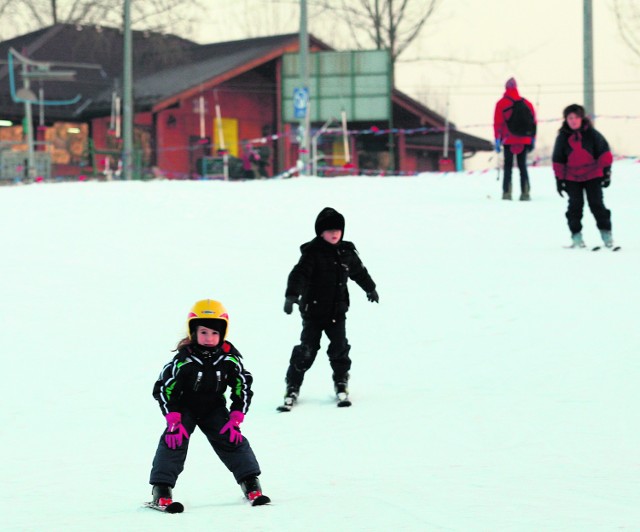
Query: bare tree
point(390, 24)
point(627, 13)
point(155, 15)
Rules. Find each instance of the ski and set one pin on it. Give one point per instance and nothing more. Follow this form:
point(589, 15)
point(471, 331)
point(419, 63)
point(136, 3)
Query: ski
point(260, 500)
point(172, 508)
point(613, 248)
point(343, 400)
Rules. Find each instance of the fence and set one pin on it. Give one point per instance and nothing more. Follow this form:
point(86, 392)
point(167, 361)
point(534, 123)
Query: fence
point(13, 166)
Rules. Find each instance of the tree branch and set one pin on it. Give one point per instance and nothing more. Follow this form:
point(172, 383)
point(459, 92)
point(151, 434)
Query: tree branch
point(626, 30)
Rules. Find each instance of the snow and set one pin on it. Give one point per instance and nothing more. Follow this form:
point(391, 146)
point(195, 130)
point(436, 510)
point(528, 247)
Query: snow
point(495, 386)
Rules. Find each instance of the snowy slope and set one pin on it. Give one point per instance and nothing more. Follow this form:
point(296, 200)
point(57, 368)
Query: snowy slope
point(495, 386)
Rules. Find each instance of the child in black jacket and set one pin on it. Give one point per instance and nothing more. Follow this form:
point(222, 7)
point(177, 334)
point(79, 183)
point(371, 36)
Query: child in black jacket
point(318, 284)
point(191, 393)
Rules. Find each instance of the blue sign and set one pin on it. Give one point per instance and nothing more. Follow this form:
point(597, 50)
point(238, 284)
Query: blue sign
point(300, 101)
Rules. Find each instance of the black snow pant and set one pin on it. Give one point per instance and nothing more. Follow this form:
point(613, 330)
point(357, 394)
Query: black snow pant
point(239, 459)
point(303, 355)
point(593, 189)
point(508, 169)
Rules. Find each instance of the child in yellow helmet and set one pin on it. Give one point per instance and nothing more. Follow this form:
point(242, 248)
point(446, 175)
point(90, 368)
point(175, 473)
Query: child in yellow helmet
point(191, 393)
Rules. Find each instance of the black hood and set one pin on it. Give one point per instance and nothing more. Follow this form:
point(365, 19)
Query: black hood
point(329, 219)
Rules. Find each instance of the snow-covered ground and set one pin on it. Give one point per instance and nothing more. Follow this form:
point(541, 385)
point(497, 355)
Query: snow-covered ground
point(496, 385)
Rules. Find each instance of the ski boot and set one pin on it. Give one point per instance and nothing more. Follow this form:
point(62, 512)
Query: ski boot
point(506, 195)
point(342, 390)
point(292, 393)
point(607, 238)
point(340, 383)
point(576, 241)
point(162, 494)
point(253, 492)
point(290, 398)
point(341, 387)
point(163, 501)
point(525, 196)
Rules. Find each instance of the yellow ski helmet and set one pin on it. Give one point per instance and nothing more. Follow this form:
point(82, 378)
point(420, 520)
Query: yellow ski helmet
point(208, 313)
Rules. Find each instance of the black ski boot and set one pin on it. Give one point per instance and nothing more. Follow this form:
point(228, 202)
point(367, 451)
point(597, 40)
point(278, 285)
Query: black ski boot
point(162, 494)
point(340, 385)
point(290, 397)
point(292, 393)
point(253, 492)
point(163, 500)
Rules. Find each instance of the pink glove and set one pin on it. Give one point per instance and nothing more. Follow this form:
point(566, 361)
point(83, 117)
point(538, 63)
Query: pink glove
point(175, 430)
point(235, 418)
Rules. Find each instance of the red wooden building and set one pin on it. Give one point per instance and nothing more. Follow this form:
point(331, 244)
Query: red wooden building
point(193, 100)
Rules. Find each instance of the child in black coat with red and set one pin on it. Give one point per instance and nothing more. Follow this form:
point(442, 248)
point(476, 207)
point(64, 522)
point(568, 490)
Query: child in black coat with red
point(582, 164)
point(318, 284)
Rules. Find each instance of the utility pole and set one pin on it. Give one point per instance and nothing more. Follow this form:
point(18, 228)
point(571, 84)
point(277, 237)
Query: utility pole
point(127, 96)
point(587, 31)
point(28, 124)
point(304, 77)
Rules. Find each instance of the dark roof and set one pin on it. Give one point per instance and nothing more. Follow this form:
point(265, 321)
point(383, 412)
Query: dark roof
point(95, 54)
point(164, 68)
point(470, 143)
point(209, 62)
point(98, 45)
point(431, 138)
point(409, 103)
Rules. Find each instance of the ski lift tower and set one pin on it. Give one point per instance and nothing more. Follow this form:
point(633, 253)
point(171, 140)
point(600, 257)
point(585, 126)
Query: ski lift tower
point(35, 71)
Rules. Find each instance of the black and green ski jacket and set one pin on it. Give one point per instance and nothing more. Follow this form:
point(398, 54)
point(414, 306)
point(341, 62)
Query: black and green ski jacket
point(198, 377)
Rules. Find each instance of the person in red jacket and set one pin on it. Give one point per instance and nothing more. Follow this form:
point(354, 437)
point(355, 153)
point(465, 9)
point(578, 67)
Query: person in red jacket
point(582, 166)
point(514, 127)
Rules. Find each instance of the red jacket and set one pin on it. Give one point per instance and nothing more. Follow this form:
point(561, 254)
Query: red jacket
point(500, 116)
point(580, 155)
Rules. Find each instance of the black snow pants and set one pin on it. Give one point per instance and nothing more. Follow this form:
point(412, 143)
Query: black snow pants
point(593, 190)
point(508, 169)
point(239, 459)
point(304, 354)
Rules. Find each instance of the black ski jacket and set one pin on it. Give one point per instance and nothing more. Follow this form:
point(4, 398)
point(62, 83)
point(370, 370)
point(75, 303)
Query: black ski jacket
point(197, 378)
point(580, 155)
point(321, 276)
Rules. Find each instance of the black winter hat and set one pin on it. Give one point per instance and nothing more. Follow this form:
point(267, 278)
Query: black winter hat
point(329, 219)
point(575, 109)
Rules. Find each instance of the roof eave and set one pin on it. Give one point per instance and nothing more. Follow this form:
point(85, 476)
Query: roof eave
point(226, 76)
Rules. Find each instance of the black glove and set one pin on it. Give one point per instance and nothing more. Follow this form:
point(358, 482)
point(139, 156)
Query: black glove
point(373, 296)
point(288, 303)
point(606, 177)
point(561, 185)
point(531, 146)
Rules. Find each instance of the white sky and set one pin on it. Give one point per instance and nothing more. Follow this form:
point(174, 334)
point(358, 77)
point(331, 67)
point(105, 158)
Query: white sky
point(540, 43)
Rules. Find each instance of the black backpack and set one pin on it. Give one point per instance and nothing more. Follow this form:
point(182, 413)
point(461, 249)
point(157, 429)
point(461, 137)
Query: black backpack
point(521, 122)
